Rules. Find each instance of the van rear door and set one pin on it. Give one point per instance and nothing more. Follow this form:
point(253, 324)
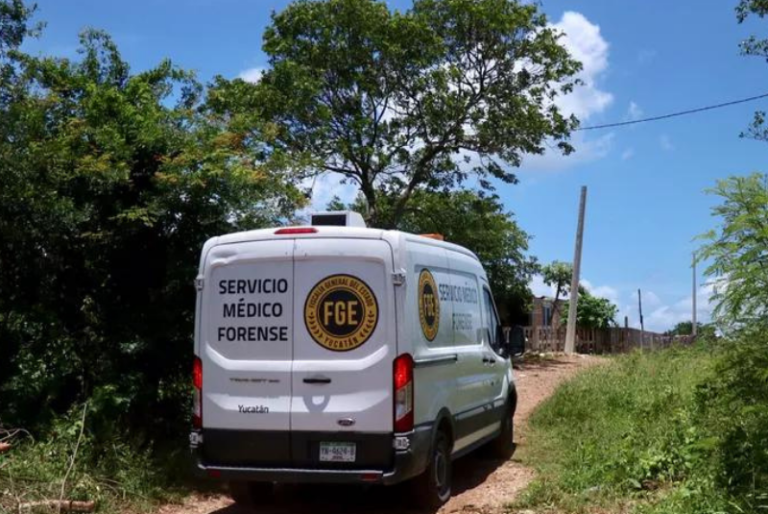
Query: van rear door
point(344, 344)
point(246, 352)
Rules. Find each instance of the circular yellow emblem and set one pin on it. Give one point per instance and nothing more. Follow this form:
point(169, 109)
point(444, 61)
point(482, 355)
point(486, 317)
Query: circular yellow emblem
point(429, 305)
point(341, 313)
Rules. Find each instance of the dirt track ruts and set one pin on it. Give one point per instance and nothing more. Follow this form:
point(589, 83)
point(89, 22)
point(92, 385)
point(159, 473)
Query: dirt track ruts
point(480, 485)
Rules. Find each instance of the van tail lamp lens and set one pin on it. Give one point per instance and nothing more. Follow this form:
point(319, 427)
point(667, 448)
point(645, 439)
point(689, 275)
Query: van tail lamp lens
point(403, 385)
point(197, 394)
point(295, 231)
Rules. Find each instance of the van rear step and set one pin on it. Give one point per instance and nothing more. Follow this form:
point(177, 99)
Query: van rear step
point(294, 475)
point(282, 449)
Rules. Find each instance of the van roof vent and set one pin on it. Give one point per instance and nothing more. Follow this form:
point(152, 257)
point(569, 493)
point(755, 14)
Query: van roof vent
point(338, 219)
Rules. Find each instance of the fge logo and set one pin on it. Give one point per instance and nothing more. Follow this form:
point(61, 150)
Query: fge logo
point(341, 312)
point(429, 305)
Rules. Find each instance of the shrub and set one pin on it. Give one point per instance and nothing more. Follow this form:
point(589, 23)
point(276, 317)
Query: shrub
point(111, 472)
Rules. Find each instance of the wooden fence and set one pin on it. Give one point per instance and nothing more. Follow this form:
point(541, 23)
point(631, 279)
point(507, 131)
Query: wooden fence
point(607, 340)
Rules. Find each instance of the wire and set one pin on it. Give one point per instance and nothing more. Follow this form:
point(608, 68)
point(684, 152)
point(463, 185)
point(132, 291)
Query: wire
point(674, 114)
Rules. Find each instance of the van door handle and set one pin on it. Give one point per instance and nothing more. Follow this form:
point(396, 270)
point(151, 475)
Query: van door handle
point(489, 360)
point(317, 380)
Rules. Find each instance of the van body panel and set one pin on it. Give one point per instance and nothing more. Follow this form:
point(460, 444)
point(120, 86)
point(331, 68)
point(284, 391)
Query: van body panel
point(434, 384)
point(341, 389)
point(246, 334)
point(280, 383)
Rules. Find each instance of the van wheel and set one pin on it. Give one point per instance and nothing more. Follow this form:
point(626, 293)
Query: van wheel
point(251, 494)
point(432, 488)
point(504, 445)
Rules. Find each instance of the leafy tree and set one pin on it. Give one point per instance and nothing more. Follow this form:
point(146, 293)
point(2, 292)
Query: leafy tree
point(592, 311)
point(558, 275)
point(738, 251)
point(754, 46)
point(111, 182)
point(399, 101)
point(738, 247)
point(480, 223)
point(685, 328)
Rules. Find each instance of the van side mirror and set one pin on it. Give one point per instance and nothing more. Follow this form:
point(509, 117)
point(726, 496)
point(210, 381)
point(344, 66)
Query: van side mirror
point(516, 341)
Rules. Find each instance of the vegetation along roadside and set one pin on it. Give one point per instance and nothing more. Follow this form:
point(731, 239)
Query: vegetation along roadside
point(681, 430)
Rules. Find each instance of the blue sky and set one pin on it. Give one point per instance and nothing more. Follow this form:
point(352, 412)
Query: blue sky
point(641, 57)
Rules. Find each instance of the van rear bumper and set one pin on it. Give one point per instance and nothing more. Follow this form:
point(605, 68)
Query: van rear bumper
point(404, 464)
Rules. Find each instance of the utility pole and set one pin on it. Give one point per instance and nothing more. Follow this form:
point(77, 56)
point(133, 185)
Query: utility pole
point(694, 328)
point(642, 324)
point(570, 334)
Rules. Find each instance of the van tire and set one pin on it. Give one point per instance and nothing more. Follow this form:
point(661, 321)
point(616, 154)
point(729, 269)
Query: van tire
point(504, 445)
point(432, 488)
point(251, 494)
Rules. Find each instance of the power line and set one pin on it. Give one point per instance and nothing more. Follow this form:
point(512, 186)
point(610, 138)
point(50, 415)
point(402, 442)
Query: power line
point(674, 114)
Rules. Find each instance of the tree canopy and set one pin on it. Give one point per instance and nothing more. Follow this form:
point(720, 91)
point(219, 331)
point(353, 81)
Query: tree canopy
point(111, 182)
point(557, 275)
point(737, 251)
point(400, 101)
point(685, 328)
point(476, 221)
point(593, 311)
point(113, 179)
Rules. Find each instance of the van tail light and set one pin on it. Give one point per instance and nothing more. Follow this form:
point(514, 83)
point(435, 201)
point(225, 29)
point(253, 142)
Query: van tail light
point(197, 394)
point(403, 386)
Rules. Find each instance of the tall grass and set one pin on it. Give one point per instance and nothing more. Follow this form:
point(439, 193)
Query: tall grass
point(680, 430)
point(116, 475)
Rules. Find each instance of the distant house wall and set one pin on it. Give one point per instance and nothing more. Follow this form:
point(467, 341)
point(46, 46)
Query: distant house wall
point(544, 314)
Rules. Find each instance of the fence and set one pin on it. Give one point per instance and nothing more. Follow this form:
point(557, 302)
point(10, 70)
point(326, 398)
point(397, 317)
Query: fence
point(606, 340)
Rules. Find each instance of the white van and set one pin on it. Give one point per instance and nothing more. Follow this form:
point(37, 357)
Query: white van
point(339, 353)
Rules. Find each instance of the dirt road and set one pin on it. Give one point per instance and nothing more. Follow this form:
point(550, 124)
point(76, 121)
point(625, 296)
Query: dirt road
point(480, 485)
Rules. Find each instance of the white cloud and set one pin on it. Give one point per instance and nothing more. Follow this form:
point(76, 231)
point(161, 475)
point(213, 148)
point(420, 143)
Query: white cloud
point(252, 74)
point(603, 291)
point(651, 299)
point(666, 143)
point(664, 317)
point(587, 150)
point(627, 154)
point(659, 315)
point(634, 112)
point(539, 288)
point(584, 42)
point(324, 187)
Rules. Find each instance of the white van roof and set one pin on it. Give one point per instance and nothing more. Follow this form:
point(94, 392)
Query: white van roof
point(332, 232)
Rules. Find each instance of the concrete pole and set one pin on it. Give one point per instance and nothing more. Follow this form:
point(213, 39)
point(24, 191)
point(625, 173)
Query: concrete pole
point(642, 323)
point(570, 334)
point(694, 328)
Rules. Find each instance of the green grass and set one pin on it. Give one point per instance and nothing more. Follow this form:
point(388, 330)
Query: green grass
point(626, 436)
point(116, 475)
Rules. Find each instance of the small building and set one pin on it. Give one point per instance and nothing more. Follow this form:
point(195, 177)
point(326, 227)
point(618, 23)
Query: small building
point(543, 312)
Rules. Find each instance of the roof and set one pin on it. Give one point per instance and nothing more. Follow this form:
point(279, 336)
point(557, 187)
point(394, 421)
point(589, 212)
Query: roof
point(335, 232)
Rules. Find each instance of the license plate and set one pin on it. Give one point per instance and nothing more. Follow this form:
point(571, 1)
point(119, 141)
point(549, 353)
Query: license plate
point(337, 452)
